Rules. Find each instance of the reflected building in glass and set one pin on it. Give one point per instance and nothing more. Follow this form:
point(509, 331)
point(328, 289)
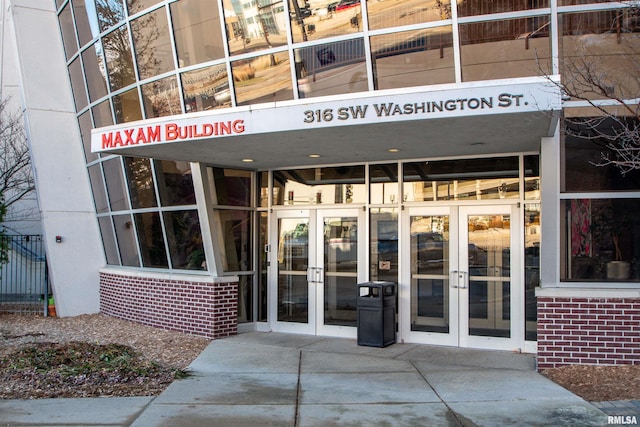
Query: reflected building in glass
point(269, 156)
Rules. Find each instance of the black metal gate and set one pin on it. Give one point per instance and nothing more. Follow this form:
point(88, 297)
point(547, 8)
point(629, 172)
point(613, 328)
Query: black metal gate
point(23, 278)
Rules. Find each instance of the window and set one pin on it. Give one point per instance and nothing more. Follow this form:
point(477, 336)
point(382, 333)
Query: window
point(333, 185)
point(413, 58)
point(505, 48)
point(332, 68)
point(464, 179)
point(601, 239)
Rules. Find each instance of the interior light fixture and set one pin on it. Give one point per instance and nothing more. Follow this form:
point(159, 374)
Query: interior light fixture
point(247, 160)
point(314, 156)
point(393, 150)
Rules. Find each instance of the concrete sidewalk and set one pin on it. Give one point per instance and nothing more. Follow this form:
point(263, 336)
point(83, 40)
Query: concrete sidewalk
point(273, 379)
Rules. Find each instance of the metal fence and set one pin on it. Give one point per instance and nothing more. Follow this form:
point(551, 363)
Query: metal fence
point(24, 287)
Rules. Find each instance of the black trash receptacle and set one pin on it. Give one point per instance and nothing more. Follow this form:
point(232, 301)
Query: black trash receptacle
point(376, 314)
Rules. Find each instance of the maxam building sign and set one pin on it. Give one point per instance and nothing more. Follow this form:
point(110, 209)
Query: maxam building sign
point(536, 95)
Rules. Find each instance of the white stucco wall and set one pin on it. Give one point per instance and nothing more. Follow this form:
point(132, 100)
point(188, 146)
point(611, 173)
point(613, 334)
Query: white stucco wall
point(63, 188)
point(24, 216)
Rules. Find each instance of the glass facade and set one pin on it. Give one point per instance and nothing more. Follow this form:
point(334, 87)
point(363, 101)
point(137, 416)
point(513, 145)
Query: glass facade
point(132, 60)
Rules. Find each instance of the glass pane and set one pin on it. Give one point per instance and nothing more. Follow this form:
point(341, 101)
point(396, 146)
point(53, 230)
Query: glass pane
point(85, 133)
point(337, 185)
point(161, 98)
point(327, 19)
point(115, 184)
point(332, 68)
point(126, 240)
point(102, 115)
point(583, 150)
point(384, 245)
point(152, 45)
point(175, 184)
point(430, 273)
point(531, 268)
point(574, 2)
point(601, 240)
point(77, 85)
point(98, 190)
point(151, 240)
point(263, 79)
point(489, 254)
point(263, 288)
point(504, 49)
point(196, 30)
point(206, 89)
point(413, 58)
point(119, 60)
point(263, 188)
point(84, 12)
point(140, 179)
point(254, 25)
point(233, 228)
point(405, 12)
point(532, 177)
point(185, 240)
point(68, 32)
point(108, 240)
point(232, 187)
point(482, 7)
point(340, 270)
point(95, 72)
point(135, 6)
point(599, 54)
point(110, 13)
point(383, 186)
point(245, 299)
point(464, 179)
point(293, 290)
point(127, 106)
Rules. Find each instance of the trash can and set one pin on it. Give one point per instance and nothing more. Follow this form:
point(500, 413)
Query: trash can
point(376, 306)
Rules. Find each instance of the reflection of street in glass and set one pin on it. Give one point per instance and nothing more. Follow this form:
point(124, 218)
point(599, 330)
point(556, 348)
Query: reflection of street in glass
point(264, 79)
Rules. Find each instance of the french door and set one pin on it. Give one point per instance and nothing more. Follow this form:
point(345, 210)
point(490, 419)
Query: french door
point(459, 276)
point(316, 263)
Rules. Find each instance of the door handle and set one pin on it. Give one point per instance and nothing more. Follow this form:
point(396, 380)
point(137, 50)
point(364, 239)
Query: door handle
point(315, 275)
point(454, 283)
point(464, 276)
point(460, 281)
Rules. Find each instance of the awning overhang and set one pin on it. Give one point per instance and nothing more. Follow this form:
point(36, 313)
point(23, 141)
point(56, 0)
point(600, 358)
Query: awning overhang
point(427, 122)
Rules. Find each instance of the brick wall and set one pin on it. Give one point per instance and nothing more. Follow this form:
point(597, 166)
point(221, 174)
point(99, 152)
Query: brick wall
point(206, 307)
point(604, 331)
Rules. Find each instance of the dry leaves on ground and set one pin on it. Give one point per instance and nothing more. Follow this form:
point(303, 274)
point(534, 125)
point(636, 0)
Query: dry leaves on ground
point(89, 356)
point(599, 383)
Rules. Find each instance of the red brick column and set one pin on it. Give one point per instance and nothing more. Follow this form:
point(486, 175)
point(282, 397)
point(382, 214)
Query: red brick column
point(202, 306)
point(603, 331)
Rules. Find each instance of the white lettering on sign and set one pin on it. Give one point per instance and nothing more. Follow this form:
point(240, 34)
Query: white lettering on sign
point(389, 109)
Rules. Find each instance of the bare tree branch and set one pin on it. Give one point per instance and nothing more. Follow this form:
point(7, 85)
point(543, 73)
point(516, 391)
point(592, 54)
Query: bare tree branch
point(16, 177)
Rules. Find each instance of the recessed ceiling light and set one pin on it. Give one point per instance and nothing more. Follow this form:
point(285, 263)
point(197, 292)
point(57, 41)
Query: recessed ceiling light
point(393, 150)
point(477, 144)
point(314, 156)
point(247, 160)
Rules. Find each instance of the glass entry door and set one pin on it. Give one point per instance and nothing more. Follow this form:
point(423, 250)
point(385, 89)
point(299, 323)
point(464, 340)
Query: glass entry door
point(460, 271)
point(317, 256)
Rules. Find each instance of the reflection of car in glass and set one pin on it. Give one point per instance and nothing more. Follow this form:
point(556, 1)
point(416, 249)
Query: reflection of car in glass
point(222, 94)
point(347, 4)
